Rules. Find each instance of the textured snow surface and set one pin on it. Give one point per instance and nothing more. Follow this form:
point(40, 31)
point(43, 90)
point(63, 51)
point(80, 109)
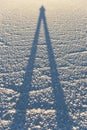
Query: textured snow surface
point(43, 83)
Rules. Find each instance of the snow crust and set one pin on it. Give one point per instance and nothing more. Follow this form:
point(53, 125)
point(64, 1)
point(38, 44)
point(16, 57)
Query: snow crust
point(36, 106)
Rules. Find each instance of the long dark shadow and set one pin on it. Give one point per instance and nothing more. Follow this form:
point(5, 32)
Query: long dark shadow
point(22, 105)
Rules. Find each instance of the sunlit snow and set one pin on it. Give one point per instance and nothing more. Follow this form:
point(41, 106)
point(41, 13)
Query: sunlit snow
point(43, 65)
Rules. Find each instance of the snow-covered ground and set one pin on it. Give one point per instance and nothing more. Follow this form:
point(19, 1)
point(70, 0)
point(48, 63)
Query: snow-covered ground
point(43, 80)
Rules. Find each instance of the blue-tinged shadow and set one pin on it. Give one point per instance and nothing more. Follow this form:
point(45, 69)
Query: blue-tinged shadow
point(19, 119)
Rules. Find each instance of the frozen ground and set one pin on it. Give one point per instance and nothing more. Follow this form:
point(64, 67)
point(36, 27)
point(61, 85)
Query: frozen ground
point(43, 80)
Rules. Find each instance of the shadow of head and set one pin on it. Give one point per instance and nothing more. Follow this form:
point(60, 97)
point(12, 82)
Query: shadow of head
point(42, 9)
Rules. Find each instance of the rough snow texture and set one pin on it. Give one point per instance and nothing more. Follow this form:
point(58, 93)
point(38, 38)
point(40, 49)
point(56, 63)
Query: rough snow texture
point(35, 106)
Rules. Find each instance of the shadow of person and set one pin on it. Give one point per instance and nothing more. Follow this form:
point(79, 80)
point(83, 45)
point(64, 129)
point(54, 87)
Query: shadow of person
point(62, 116)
